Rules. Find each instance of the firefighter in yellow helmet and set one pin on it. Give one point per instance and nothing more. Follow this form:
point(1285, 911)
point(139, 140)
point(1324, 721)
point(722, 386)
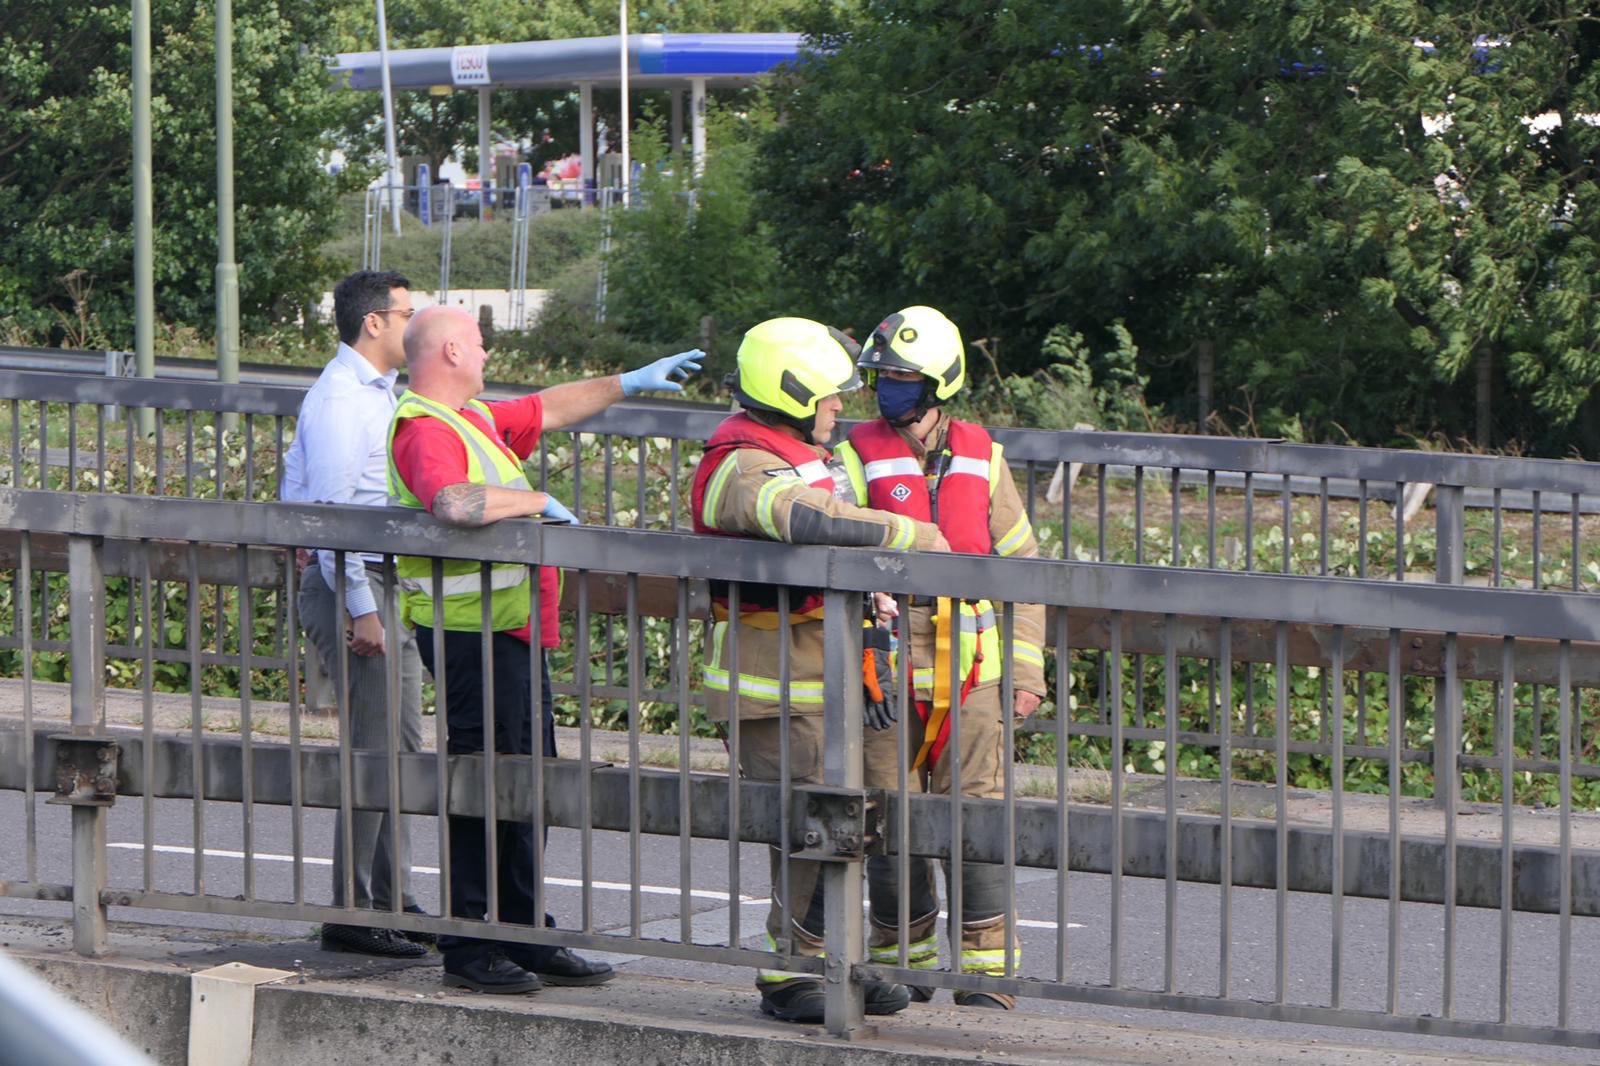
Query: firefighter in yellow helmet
point(917, 461)
point(767, 473)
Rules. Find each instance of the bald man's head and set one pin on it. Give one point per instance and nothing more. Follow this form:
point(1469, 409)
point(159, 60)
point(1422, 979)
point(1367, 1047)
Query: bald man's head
point(444, 354)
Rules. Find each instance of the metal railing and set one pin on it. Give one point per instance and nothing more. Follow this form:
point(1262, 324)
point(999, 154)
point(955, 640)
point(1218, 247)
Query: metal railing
point(1122, 915)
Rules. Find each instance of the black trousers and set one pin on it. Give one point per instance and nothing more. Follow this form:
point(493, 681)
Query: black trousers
point(518, 854)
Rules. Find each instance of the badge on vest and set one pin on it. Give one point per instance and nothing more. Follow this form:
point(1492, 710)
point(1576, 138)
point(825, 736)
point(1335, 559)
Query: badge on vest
point(900, 492)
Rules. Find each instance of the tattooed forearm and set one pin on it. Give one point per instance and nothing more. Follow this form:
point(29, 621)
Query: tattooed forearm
point(461, 505)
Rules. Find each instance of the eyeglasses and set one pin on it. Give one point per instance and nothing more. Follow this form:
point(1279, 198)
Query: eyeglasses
point(403, 312)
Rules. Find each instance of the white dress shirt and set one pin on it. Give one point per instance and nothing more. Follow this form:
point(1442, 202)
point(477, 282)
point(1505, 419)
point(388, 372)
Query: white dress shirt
point(340, 454)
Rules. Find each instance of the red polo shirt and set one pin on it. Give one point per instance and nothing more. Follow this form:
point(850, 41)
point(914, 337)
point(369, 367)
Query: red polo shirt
point(430, 455)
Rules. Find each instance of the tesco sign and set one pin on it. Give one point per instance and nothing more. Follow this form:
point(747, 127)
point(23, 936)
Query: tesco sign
point(469, 65)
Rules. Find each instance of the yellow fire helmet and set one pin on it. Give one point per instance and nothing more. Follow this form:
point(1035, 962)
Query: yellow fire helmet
point(786, 365)
point(923, 341)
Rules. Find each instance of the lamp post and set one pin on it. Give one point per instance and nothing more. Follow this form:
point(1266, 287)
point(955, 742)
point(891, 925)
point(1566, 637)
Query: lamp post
point(388, 120)
point(144, 299)
point(627, 166)
point(227, 267)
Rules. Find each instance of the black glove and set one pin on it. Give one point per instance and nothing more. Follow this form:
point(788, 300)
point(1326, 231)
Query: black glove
point(877, 677)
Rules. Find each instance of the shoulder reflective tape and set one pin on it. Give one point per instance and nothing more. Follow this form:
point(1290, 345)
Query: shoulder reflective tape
point(961, 464)
point(814, 471)
point(500, 577)
point(719, 482)
point(764, 688)
point(905, 466)
point(1015, 538)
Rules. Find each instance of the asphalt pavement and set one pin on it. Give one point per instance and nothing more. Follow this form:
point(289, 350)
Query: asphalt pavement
point(611, 905)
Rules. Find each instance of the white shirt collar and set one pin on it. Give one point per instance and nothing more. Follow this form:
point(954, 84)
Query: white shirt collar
point(364, 371)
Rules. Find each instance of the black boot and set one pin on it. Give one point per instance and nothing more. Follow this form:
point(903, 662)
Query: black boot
point(795, 1001)
point(886, 998)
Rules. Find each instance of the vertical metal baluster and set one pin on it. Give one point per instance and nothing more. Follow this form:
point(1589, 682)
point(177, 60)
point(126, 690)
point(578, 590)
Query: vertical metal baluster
point(1577, 561)
point(640, 466)
point(785, 767)
point(1322, 570)
point(608, 478)
point(952, 752)
point(100, 448)
point(441, 744)
point(1288, 524)
point(1448, 742)
point(44, 443)
point(1249, 565)
point(1336, 880)
point(491, 768)
point(1225, 827)
point(16, 443)
point(161, 452)
point(1280, 733)
point(538, 667)
point(1008, 724)
point(341, 686)
point(188, 454)
point(278, 452)
point(1211, 564)
point(219, 438)
point(249, 457)
point(1396, 729)
point(1138, 558)
point(577, 474)
point(635, 665)
point(1499, 539)
point(247, 810)
point(147, 715)
point(1066, 513)
point(291, 578)
point(1170, 787)
point(129, 418)
point(734, 766)
point(680, 670)
point(1116, 799)
point(196, 716)
point(1399, 531)
point(25, 628)
point(1508, 715)
point(1538, 583)
point(673, 487)
point(391, 624)
point(903, 756)
point(72, 447)
point(585, 749)
point(1063, 785)
point(1564, 714)
point(1031, 469)
point(1177, 519)
point(1102, 551)
point(1361, 534)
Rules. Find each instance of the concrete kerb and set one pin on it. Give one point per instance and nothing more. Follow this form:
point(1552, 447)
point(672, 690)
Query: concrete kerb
point(343, 1010)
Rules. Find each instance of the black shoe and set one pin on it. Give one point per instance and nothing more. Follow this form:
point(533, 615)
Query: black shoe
point(922, 993)
point(493, 973)
point(426, 939)
point(795, 1001)
point(563, 967)
point(984, 999)
point(364, 941)
point(885, 998)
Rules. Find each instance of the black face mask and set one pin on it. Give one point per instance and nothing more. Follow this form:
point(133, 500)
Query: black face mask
point(898, 399)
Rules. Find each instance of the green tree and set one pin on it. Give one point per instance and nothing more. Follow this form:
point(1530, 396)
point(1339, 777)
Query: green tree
point(694, 246)
point(1248, 188)
point(66, 187)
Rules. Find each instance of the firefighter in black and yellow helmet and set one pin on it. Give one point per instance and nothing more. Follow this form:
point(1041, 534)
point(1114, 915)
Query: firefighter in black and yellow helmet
point(767, 474)
point(918, 462)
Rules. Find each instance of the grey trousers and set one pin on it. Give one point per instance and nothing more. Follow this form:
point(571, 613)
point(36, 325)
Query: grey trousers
point(371, 854)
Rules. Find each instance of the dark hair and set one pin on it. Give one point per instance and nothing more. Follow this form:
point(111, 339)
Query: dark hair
point(360, 294)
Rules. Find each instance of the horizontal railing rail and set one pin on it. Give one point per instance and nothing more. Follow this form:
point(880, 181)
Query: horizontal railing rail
point(1427, 695)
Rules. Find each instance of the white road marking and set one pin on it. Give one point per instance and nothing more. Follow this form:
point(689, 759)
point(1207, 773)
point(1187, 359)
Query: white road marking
point(562, 882)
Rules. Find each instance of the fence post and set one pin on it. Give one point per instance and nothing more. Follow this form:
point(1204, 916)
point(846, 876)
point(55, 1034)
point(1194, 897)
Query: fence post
point(845, 936)
point(1449, 569)
point(87, 596)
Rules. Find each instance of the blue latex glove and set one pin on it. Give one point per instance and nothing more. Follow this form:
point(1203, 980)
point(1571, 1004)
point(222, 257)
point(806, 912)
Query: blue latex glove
point(557, 511)
point(662, 375)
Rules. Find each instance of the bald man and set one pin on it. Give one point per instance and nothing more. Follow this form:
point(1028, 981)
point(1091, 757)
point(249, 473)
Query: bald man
point(461, 460)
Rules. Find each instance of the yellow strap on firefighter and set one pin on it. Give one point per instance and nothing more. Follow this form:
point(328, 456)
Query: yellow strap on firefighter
point(943, 633)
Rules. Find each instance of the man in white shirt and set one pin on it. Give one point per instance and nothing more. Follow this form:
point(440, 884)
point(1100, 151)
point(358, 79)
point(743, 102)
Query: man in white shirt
point(340, 455)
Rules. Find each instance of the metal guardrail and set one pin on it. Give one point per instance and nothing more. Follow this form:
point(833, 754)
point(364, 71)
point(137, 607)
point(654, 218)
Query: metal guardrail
point(1417, 707)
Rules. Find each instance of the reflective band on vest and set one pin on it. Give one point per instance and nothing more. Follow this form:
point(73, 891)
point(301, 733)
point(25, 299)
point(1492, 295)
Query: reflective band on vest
point(461, 594)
